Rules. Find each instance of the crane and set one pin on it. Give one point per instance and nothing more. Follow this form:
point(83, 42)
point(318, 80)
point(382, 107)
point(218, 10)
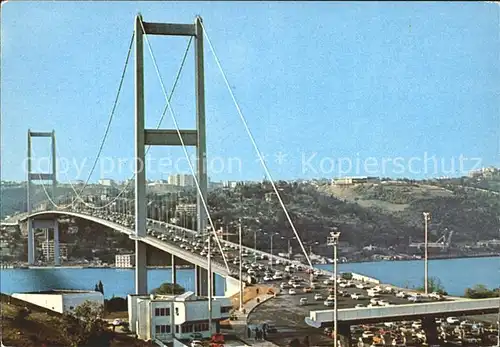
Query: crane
point(442, 243)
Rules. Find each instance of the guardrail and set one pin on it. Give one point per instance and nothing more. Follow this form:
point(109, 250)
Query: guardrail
point(283, 260)
point(409, 310)
point(363, 278)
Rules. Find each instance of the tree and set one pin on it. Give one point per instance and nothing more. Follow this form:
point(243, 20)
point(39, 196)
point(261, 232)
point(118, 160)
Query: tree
point(115, 304)
point(84, 326)
point(434, 285)
point(168, 289)
point(480, 291)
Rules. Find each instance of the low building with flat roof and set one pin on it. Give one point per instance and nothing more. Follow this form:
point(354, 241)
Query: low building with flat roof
point(166, 317)
point(62, 301)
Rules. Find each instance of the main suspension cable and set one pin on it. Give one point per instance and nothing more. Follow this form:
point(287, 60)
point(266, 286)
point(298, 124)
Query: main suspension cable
point(255, 145)
point(127, 188)
point(108, 126)
point(202, 198)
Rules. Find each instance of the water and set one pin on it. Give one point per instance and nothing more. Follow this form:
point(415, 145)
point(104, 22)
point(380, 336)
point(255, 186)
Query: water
point(455, 275)
point(116, 282)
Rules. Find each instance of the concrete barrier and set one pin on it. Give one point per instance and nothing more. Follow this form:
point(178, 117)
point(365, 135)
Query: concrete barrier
point(363, 278)
point(276, 290)
point(409, 311)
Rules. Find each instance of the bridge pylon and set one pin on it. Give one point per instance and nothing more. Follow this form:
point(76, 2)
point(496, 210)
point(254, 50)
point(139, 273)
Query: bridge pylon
point(38, 176)
point(166, 137)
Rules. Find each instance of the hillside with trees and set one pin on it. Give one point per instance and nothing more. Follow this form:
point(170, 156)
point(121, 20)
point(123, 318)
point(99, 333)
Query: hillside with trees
point(386, 213)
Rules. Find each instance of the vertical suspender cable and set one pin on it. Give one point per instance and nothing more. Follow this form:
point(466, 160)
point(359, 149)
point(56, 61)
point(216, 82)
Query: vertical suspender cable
point(255, 146)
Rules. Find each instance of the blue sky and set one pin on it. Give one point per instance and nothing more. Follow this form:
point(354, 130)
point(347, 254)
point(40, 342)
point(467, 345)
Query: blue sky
point(328, 89)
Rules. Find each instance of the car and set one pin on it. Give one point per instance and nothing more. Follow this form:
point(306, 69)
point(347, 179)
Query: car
point(401, 294)
point(196, 343)
point(270, 327)
point(329, 303)
point(416, 325)
point(374, 301)
point(283, 285)
point(359, 306)
point(307, 290)
point(268, 278)
point(318, 297)
point(356, 296)
point(452, 320)
point(296, 285)
point(367, 334)
point(292, 291)
point(414, 299)
point(383, 303)
point(361, 286)
point(303, 301)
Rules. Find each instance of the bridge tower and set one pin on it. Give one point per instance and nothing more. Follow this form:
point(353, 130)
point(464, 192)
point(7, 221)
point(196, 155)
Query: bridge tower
point(165, 137)
point(37, 176)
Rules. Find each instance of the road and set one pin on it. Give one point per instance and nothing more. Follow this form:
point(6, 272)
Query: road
point(290, 320)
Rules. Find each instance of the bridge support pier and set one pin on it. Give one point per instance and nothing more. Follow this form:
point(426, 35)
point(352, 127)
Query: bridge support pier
point(57, 255)
point(31, 243)
point(174, 270)
point(200, 281)
point(141, 271)
point(430, 328)
point(344, 335)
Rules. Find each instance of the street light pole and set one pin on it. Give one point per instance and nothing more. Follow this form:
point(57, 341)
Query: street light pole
point(426, 264)
point(255, 246)
point(333, 241)
point(210, 280)
point(241, 271)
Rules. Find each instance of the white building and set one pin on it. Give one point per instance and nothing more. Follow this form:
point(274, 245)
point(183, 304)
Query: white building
point(4, 248)
point(230, 184)
point(346, 181)
point(48, 250)
point(124, 260)
point(61, 301)
point(165, 317)
point(106, 182)
point(186, 208)
point(181, 180)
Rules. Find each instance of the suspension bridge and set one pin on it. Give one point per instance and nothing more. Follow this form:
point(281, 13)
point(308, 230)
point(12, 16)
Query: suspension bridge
point(149, 231)
point(45, 217)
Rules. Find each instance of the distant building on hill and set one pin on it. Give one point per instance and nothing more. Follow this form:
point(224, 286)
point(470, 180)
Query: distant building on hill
point(347, 181)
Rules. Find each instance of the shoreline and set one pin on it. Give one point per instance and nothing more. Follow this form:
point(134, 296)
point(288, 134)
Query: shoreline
point(25, 267)
point(441, 257)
